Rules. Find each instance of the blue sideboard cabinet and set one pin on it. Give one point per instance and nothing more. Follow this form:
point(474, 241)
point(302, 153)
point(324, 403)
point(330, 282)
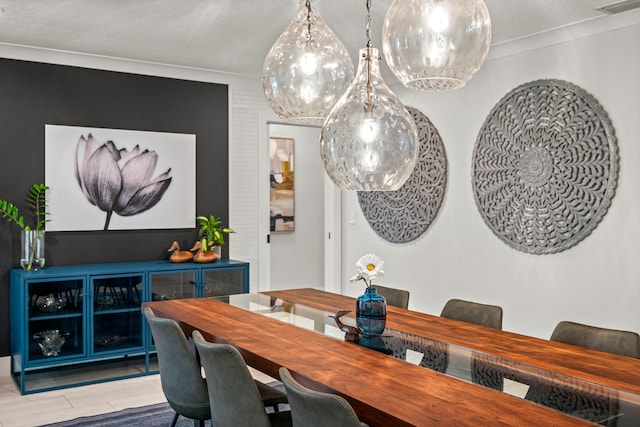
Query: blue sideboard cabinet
point(82, 324)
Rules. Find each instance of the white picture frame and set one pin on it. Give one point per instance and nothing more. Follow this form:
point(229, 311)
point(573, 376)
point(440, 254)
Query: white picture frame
point(71, 207)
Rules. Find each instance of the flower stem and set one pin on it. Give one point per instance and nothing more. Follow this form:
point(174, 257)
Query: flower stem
point(106, 223)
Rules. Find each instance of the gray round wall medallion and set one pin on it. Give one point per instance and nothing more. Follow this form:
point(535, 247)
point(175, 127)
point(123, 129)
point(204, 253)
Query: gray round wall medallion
point(402, 216)
point(545, 166)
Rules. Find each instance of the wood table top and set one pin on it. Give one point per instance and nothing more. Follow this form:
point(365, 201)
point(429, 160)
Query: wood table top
point(385, 391)
point(608, 369)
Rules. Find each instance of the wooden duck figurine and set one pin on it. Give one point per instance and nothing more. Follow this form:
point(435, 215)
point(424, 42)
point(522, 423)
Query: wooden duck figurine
point(178, 255)
point(352, 333)
point(201, 256)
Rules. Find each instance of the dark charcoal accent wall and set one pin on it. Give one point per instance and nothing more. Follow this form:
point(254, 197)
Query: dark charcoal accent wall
point(34, 94)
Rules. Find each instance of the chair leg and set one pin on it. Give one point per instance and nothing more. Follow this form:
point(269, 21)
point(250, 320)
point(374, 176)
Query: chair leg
point(198, 423)
point(175, 420)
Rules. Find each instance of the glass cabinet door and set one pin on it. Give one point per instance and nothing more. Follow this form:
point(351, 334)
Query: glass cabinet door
point(218, 282)
point(117, 319)
point(173, 285)
point(55, 319)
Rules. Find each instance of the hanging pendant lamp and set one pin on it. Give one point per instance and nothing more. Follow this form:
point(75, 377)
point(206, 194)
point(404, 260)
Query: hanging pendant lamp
point(369, 141)
point(436, 44)
point(307, 69)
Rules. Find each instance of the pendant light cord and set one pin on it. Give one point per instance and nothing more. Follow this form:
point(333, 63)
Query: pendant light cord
point(368, 106)
point(368, 24)
point(309, 39)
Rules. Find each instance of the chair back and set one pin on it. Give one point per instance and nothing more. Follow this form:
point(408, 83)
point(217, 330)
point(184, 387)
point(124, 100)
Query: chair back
point(182, 382)
point(624, 343)
point(395, 297)
point(233, 394)
point(473, 312)
point(592, 405)
point(310, 408)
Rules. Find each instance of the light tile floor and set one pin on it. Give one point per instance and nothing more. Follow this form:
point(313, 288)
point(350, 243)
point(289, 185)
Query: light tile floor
point(66, 404)
point(60, 405)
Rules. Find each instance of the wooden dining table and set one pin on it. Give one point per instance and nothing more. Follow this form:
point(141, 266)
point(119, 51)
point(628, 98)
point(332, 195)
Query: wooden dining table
point(390, 391)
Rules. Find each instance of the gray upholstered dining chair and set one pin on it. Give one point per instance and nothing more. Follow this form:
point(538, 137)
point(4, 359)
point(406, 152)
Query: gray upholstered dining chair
point(180, 373)
point(182, 382)
point(624, 343)
point(395, 297)
point(234, 396)
point(600, 408)
point(310, 408)
point(484, 315)
point(473, 312)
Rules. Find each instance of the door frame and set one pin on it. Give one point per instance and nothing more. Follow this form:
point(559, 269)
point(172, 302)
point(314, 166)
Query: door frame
point(332, 216)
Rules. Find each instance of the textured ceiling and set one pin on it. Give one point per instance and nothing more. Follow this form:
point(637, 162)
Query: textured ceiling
point(232, 35)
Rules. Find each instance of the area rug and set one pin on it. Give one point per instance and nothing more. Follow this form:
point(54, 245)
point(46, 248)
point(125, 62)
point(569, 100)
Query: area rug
point(160, 414)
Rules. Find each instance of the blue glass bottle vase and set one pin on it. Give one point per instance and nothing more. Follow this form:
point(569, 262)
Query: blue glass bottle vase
point(371, 312)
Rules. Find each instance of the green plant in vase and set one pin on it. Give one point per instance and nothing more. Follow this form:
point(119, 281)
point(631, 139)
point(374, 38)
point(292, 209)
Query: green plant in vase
point(211, 232)
point(32, 236)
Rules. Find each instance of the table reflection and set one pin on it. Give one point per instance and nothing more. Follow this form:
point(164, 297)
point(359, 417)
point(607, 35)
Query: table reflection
point(592, 402)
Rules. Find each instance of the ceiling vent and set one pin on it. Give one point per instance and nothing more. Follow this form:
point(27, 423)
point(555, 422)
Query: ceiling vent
point(619, 7)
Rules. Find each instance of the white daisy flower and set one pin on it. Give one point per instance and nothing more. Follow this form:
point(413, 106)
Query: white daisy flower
point(369, 268)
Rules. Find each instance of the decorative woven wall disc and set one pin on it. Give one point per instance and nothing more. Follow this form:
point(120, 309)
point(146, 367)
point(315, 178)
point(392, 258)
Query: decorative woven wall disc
point(545, 166)
point(402, 216)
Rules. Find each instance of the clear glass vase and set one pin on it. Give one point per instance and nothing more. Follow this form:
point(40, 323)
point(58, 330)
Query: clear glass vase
point(369, 142)
point(371, 312)
point(307, 69)
point(32, 249)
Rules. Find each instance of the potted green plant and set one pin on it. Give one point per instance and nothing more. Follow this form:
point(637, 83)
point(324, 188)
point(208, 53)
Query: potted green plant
point(32, 253)
point(211, 232)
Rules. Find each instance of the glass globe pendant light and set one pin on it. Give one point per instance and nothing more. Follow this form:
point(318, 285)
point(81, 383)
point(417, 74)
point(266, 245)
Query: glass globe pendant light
point(307, 69)
point(369, 141)
point(436, 44)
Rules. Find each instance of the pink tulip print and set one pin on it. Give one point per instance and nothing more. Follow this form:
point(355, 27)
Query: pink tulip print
point(118, 180)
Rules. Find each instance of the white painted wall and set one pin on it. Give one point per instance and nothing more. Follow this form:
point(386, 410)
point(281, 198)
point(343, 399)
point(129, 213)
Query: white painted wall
point(297, 258)
point(595, 282)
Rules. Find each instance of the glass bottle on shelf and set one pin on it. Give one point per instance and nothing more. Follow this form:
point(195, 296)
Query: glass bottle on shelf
point(55, 323)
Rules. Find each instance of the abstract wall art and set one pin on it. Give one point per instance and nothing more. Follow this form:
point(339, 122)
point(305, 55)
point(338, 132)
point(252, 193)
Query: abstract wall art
point(281, 198)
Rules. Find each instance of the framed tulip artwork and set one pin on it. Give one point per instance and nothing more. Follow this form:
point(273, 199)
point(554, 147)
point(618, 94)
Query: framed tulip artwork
point(115, 179)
